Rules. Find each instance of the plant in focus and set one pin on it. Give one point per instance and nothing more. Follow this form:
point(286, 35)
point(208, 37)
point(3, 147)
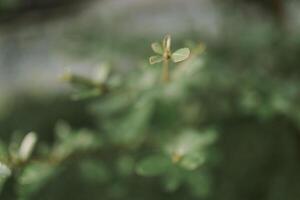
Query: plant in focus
point(165, 55)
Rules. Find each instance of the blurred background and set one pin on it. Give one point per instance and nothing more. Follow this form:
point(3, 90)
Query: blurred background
point(251, 81)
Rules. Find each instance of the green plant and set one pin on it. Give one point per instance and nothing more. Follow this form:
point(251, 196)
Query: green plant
point(140, 139)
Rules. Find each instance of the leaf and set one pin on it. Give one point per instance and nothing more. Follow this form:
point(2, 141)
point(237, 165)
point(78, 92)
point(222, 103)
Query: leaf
point(155, 59)
point(167, 42)
point(62, 130)
point(86, 94)
point(188, 149)
point(27, 146)
point(35, 177)
point(131, 129)
point(172, 182)
point(4, 171)
point(153, 165)
point(102, 73)
point(94, 171)
point(157, 48)
point(193, 160)
point(82, 140)
point(173, 179)
point(125, 165)
point(181, 55)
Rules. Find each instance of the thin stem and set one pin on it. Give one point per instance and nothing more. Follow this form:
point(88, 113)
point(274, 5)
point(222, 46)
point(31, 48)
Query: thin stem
point(165, 75)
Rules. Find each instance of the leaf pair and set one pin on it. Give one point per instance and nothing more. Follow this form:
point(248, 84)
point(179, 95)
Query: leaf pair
point(164, 51)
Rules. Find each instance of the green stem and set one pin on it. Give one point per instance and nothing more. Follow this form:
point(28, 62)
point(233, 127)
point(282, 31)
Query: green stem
point(165, 75)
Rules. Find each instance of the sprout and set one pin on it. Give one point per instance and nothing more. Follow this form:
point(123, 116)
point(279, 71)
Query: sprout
point(165, 55)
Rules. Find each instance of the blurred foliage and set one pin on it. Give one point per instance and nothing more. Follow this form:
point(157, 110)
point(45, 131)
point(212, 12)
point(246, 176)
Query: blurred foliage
point(140, 143)
point(226, 127)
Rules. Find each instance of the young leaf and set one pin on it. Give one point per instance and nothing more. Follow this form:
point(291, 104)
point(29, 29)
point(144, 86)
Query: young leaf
point(167, 43)
point(155, 59)
point(27, 146)
point(4, 171)
point(157, 48)
point(102, 73)
point(180, 55)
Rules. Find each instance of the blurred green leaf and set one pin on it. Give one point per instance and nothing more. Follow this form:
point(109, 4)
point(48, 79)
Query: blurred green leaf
point(157, 48)
point(82, 140)
point(125, 165)
point(131, 129)
point(4, 171)
point(180, 55)
point(193, 160)
point(153, 165)
point(81, 95)
point(34, 177)
point(102, 73)
point(155, 59)
point(188, 148)
point(94, 171)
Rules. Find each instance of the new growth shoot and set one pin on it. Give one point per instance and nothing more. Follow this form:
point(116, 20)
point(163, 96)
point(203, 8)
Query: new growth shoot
point(165, 55)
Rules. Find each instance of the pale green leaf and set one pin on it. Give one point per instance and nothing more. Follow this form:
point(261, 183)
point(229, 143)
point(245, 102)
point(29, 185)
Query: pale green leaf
point(167, 42)
point(27, 146)
point(188, 149)
point(155, 59)
point(102, 73)
point(4, 171)
point(157, 48)
point(181, 55)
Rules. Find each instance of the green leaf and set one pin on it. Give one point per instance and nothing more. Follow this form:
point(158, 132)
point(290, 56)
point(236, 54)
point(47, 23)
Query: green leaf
point(193, 160)
point(87, 94)
point(132, 127)
point(157, 48)
point(79, 141)
point(94, 171)
point(125, 165)
point(102, 73)
point(35, 177)
point(188, 149)
point(4, 171)
point(153, 165)
point(173, 179)
point(155, 59)
point(181, 55)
